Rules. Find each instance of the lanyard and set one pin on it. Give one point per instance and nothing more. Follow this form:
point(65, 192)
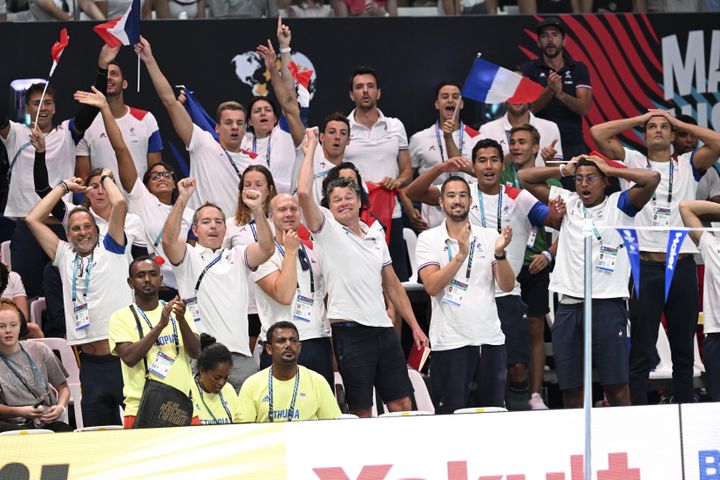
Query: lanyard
point(158, 239)
point(232, 163)
point(77, 265)
point(499, 208)
point(17, 154)
point(35, 369)
point(586, 215)
point(267, 154)
point(516, 182)
point(470, 256)
point(440, 143)
point(670, 181)
point(253, 229)
point(222, 401)
point(291, 409)
point(205, 270)
point(304, 263)
point(150, 326)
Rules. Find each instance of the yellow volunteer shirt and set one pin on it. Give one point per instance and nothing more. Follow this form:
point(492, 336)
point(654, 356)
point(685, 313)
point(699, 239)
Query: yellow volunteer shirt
point(314, 399)
point(214, 409)
point(124, 329)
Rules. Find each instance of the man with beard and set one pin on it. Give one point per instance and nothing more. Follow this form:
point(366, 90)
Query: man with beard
point(459, 273)
point(568, 94)
point(139, 130)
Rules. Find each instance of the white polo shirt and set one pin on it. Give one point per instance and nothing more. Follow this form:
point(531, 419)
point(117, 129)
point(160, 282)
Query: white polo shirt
point(223, 294)
point(217, 180)
point(427, 149)
point(709, 185)
point(59, 158)
point(499, 130)
point(352, 268)
point(685, 181)
point(283, 156)
point(139, 131)
point(107, 291)
point(153, 214)
point(271, 311)
point(567, 277)
point(475, 321)
point(321, 168)
point(710, 248)
point(374, 150)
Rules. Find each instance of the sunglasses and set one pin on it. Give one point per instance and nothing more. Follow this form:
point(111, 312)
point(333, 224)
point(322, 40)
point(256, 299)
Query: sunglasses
point(159, 175)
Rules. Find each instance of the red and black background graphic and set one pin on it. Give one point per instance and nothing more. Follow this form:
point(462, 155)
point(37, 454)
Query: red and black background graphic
point(623, 52)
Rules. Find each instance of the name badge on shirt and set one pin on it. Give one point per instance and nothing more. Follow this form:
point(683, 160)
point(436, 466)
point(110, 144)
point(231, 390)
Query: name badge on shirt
point(192, 306)
point(161, 365)
point(303, 308)
point(455, 293)
point(661, 217)
point(82, 316)
point(608, 257)
point(531, 237)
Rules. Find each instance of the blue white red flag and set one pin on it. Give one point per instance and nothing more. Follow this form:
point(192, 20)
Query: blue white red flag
point(490, 83)
point(124, 30)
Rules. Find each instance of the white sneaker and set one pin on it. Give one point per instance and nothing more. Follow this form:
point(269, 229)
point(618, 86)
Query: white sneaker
point(536, 402)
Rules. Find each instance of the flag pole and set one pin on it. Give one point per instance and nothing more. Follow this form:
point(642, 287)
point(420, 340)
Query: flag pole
point(42, 97)
point(138, 73)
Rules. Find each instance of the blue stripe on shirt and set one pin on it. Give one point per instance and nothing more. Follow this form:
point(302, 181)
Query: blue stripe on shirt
point(155, 142)
point(112, 246)
point(625, 204)
point(538, 213)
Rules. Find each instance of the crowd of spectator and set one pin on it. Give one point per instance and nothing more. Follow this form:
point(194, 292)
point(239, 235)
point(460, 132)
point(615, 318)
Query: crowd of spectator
point(281, 258)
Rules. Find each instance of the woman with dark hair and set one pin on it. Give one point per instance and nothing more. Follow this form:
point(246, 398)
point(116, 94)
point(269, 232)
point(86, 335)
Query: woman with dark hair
point(214, 397)
point(345, 170)
point(241, 231)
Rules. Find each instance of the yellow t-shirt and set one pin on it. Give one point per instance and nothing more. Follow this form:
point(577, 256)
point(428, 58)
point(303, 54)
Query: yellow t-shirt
point(314, 398)
point(214, 409)
point(123, 328)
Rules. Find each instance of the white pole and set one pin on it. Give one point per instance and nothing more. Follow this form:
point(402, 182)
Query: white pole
point(42, 97)
point(138, 74)
point(587, 315)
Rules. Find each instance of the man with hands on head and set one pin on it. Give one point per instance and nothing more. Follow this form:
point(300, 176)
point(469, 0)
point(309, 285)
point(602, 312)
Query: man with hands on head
point(292, 288)
point(212, 280)
point(162, 349)
point(94, 287)
point(610, 264)
point(459, 272)
point(366, 346)
point(679, 179)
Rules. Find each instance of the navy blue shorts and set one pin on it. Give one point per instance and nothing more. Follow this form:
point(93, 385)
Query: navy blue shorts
point(609, 343)
point(711, 349)
point(491, 377)
point(367, 357)
point(452, 376)
point(534, 291)
point(513, 319)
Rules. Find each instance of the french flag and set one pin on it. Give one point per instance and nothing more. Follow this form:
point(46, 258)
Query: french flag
point(124, 30)
point(490, 83)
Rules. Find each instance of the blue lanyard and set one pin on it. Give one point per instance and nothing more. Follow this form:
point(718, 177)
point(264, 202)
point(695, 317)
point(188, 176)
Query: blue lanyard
point(267, 154)
point(232, 163)
point(670, 181)
point(470, 257)
point(158, 239)
point(205, 270)
point(17, 154)
point(307, 260)
point(77, 265)
point(222, 401)
point(253, 229)
point(150, 326)
point(291, 409)
point(35, 369)
point(499, 208)
point(515, 180)
point(587, 215)
point(440, 143)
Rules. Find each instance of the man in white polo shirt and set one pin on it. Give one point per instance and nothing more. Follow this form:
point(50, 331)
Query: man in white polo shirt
point(379, 148)
point(139, 130)
point(611, 270)
point(355, 261)
point(519, 114)
point(445, 139)
point(217, 165)
point(459, 265)
point(213, 280)
point(94, 286)
point(292, 288)
point(680, 176)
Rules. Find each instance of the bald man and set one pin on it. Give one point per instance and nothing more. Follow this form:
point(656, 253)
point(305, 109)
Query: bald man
point(292, 289)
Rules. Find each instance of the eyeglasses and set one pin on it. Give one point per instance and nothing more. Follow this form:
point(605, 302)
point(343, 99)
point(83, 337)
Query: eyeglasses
point(592, 178)
point(304, 260)
point(157, 175)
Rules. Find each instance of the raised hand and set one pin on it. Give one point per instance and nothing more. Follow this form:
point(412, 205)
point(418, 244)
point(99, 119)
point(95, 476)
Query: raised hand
point(548, 153)
point(268, 55)
point(107, 55)
point(254, 200)
point(94, 98)
point(455, 164)
point(310, 140)
point(284, 35)
point(37, 138)
point(143, 50)
point(76, 185)
point(186, 187)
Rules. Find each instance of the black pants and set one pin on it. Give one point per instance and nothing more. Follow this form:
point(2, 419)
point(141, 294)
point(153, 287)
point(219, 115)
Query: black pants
point(102, 395)
point(28, 258)
point(54, 322)
point(29, 425)
point(398, 250)
point(681, 315)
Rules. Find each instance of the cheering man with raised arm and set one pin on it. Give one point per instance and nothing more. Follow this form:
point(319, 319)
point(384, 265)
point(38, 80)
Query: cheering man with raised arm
point(213, 280)
point(679, 179)
point(367, 349)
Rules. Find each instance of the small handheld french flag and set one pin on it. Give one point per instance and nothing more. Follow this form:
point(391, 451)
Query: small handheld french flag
point(124, 30)
point(490, 83)
point(57, 49)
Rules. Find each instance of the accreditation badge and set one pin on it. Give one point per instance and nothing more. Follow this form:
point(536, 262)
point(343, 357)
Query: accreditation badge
point(455, 293)
point(81, 315)
point(161, 365)
point(608, 257)
point(303, 308)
